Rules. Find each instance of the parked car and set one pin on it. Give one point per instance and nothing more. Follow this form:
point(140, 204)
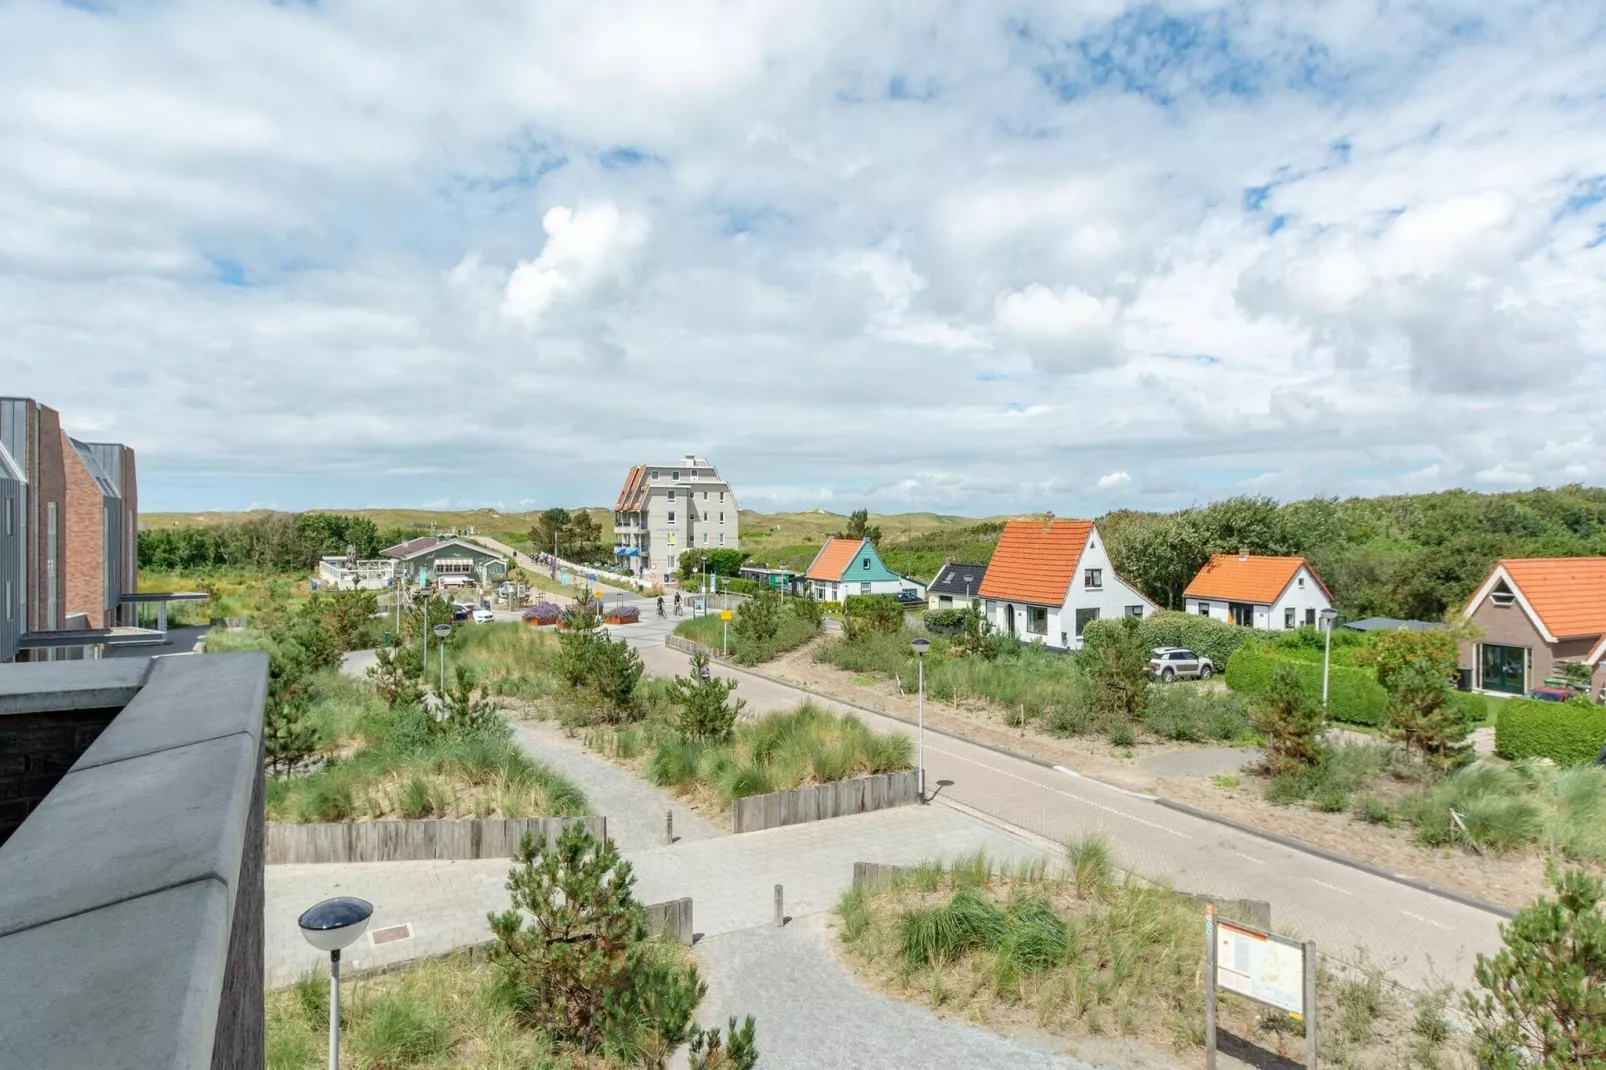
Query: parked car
point(910, 597)
point(461, 611)
point(483, 616)
point(1551, 694)
point(1174, 663)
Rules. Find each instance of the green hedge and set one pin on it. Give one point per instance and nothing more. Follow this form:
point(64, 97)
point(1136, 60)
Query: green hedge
point(871, 613)
point(1214, 639)
point(1474, 708)
point(1568, 733)
point(1353, 694)
point(945, 618)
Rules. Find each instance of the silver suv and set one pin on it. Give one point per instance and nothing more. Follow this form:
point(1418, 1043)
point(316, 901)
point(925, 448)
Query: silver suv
point(1174, 663)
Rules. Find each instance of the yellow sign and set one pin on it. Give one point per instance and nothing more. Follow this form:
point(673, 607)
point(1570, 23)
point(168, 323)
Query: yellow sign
point(724, 614)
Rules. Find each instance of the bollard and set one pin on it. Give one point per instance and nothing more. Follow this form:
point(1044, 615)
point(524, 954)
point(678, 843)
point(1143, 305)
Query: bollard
point(780, 911)
point(669, 826)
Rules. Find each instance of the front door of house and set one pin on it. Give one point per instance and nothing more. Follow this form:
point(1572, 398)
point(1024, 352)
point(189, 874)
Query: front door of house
point(1504, 668)
point(1243, 614)
point(1009, 620)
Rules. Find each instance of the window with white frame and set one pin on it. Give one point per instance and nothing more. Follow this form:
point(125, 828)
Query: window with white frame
point(671, 495)
point(705, 538)
point(671, 516)
point(1288, 617)
point(721, 517)
point(864, 588)
point(722, 538)
point(1036, 620)
point(722, 497)
point(1301, 583)
point(705, 495)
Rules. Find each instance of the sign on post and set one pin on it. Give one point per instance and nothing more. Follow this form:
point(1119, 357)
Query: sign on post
point(442, 630)
point(725, 614)
point(1262, 966)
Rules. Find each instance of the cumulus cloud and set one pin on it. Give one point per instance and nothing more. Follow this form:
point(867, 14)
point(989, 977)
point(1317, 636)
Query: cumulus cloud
point(1068, 331)
point(1115, 481)
point(586, 250)
point(853, 252)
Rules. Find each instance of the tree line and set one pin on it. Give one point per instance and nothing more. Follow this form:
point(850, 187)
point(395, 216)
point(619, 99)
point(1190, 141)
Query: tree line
point(277, 542)
point(1409, 556)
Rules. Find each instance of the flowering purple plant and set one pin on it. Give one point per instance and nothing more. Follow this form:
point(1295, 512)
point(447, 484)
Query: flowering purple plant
point(545, 612)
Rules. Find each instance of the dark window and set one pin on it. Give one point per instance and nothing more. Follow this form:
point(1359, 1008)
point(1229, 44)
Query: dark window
point(1288, 617)
point(1204, 609)
point(1093, 577)
point(864, 588)
point(671, 516)
point(1504, 668)
point(1310, 616)
point(1037, 620)
point(1083, 616)
point(865, 564)
point(1134, 611)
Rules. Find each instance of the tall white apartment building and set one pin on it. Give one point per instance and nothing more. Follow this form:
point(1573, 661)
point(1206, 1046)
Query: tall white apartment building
point(666, 509)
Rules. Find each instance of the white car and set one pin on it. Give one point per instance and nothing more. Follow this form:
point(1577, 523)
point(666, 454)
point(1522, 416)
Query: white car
point(483, 616)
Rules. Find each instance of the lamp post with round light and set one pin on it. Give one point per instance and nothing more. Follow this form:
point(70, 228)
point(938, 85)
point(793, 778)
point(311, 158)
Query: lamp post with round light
point(1328, 616)
point(920, 646)
point(330, 926)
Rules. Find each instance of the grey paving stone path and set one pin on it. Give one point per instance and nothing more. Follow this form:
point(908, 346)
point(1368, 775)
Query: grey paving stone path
point(812, 1012)
point(634, 808)
point(731, 880)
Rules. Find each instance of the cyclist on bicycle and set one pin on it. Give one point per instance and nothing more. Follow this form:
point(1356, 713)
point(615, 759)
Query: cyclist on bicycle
point(660, 605)
point(677, 603)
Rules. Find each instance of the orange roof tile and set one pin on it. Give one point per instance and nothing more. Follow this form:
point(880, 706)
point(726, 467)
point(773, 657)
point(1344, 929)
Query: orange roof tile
point(833, 559)
point(1035, 561)
point(1568, 593)
point(632, 484)
point(1255, 578)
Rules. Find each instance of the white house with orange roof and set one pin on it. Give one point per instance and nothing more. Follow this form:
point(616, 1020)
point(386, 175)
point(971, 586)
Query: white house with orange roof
point(1049, 578)
point(1534, 613)
point(1258, 591)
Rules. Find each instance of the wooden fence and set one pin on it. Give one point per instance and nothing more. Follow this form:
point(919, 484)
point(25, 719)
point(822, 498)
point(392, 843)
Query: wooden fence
point(671, 919)
point(840, 799)
point(407, 841)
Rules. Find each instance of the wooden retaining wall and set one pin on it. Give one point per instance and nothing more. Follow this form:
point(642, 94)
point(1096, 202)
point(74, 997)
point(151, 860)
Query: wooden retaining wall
point(858, 796)
point(407, 841)
point(671, 919)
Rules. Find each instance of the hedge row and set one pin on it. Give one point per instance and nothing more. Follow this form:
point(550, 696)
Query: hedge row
point(1214, 639)
point(945, 618)
point(1353, 694)
point(1568, 733)
point(1474, 708)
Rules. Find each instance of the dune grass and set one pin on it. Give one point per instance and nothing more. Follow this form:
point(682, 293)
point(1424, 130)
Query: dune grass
point(791, 633)
point(400, 766)
point(451, 1012)
point(509, 659)
point(1076, 950)
point(806, 746)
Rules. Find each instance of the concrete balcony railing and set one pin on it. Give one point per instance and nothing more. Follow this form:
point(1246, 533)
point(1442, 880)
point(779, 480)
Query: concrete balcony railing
point(131, 891)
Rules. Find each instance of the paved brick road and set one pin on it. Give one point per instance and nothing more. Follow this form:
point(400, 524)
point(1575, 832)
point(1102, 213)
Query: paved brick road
point(1420, 936)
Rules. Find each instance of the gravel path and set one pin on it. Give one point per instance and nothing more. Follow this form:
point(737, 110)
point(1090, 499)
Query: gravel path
point(813, 1013)
point(634, 808)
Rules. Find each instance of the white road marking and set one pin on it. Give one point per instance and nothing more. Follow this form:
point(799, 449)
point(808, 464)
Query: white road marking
point(1057, 791)
point(1426, 921)
point(1331, 887)
point(1250, 858)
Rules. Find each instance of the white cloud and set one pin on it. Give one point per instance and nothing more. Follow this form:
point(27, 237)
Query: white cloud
point(1114, 481)
point(586, 250)
point(1067, 331)
point(854, 252)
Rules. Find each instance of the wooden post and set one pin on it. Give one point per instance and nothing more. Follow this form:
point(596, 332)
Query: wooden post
point(1310, 1004)
point(669, 826)
point(1210, 986)
point(780, 911)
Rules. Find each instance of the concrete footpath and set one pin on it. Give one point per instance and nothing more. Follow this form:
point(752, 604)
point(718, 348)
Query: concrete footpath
point(731, 880)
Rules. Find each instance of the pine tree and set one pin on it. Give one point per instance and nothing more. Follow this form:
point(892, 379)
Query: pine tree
point(651, 1017)
point(287, 737)
point(1120, 673)
point(706, 712)
point(737, 1050)
point(1421, 717)
point(574, 953)
point(1290, 723)
point(1543, 1002)
point(394, 676)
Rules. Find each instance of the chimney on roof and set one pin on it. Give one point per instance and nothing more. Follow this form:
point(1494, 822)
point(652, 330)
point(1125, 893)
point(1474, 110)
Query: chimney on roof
point(1243, 553)
point(1048, 520)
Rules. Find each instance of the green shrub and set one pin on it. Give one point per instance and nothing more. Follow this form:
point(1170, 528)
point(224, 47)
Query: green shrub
point(1214, 639)
point(871, 613)
point(1474, 709)
point(945, 618)
point(1354, 695)
point(1193, 714)
point(1567, 733)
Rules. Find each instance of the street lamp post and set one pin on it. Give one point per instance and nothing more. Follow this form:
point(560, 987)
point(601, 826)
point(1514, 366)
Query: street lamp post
point(1328, 616)
point(920, 646)
point(442, 631)
point(330, 926)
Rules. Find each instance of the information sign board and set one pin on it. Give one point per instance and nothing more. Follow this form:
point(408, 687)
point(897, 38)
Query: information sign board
point(1266, 968)
point(725, 614)
point(443, 630)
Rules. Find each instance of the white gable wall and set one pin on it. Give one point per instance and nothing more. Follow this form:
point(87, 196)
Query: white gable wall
point(1112, 599)
point(1302, 599)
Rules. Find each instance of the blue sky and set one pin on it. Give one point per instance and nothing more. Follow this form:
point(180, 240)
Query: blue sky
point(972, 257)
